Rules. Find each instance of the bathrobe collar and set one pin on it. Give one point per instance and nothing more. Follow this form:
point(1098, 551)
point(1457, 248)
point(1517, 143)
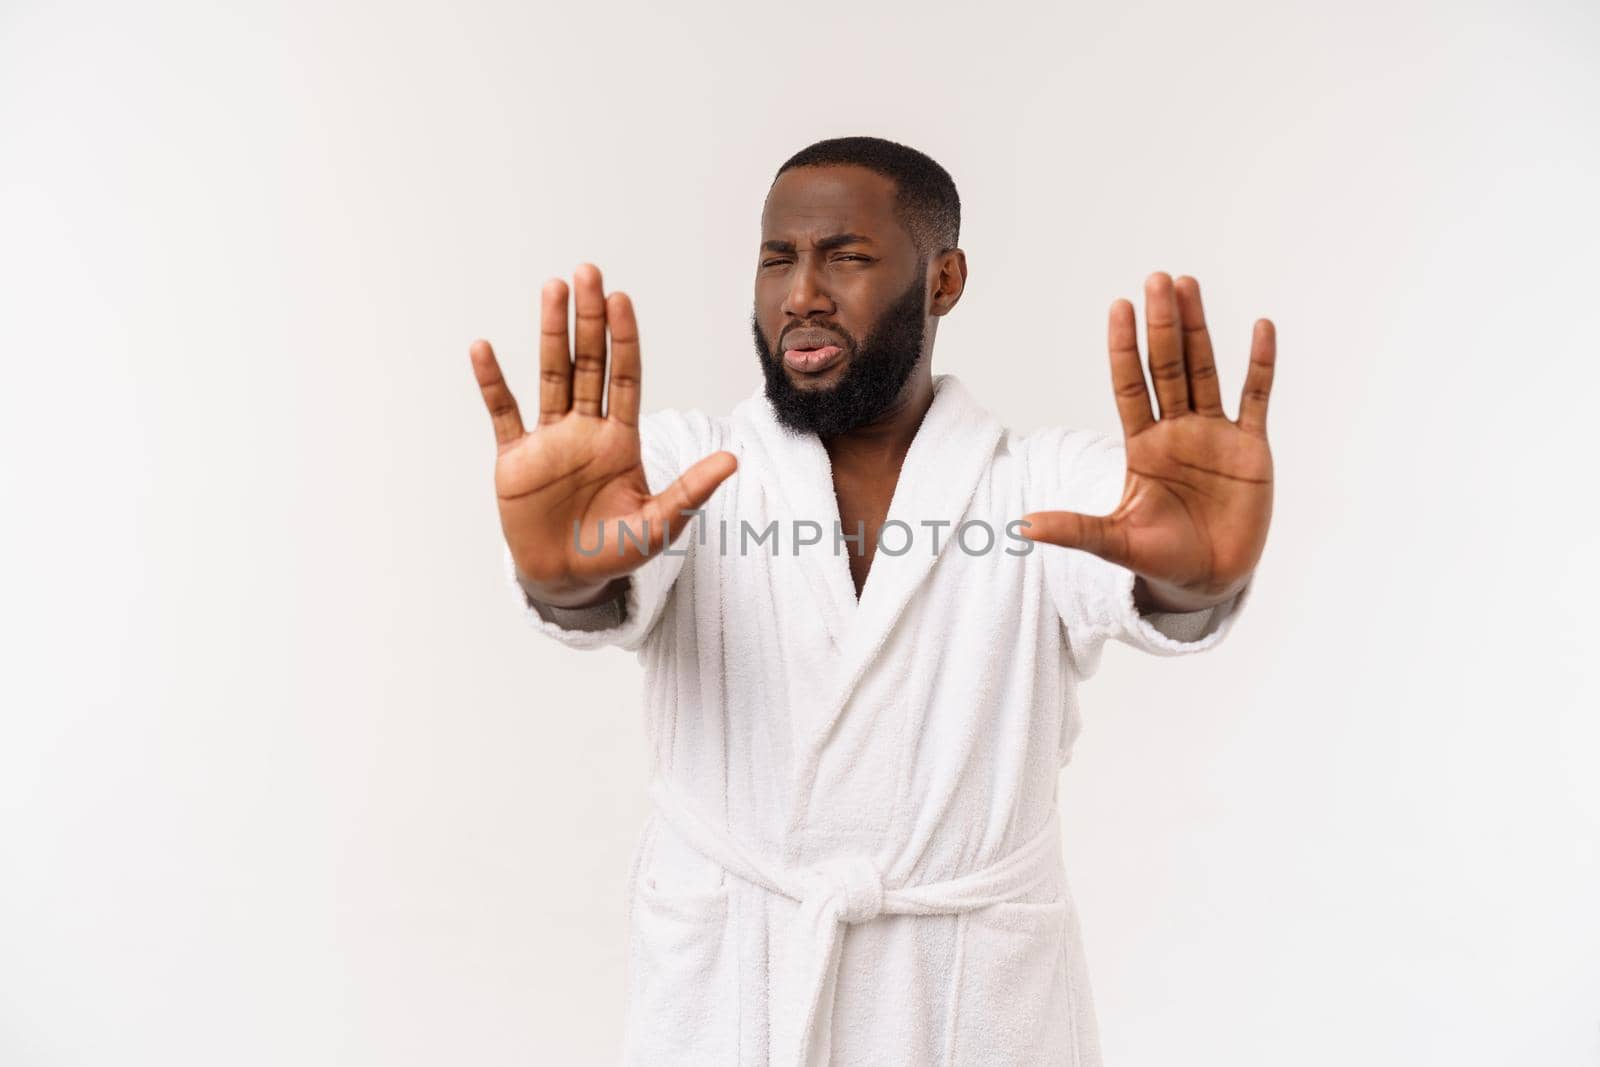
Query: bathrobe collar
point(952, 448)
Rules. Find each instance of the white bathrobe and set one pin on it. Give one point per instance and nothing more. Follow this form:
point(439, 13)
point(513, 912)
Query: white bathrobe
point(855, 853)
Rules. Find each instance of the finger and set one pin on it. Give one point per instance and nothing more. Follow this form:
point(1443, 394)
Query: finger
point(555, 358)
point(496, 393)
point(692, 489)
point(1127, 373)
point(1164, 336)
point(1258, 379)
point(1204, 394)
point(1095, 534)
point(589, 345)
point(622, 394)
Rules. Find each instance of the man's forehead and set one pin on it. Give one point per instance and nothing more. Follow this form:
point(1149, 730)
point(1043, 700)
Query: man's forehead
point(828, 199)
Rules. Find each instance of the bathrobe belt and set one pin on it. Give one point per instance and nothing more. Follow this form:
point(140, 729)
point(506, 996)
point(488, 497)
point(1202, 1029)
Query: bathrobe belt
point(837, 893)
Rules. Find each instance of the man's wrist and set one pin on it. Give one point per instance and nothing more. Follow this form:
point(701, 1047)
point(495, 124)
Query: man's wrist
point(574, 598)
point(1150, 596)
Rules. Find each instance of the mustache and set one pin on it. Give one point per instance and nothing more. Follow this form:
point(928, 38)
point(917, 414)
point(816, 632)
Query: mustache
point(833, 328)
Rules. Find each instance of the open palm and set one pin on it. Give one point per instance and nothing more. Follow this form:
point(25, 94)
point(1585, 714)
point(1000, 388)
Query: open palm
point(1198, 496)
point(578, 477)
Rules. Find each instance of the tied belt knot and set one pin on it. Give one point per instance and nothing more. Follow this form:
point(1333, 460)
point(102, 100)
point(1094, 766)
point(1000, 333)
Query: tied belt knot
point(837, 893)
point(849, 889)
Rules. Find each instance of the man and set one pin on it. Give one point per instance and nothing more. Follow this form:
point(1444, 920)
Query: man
point(861, 668)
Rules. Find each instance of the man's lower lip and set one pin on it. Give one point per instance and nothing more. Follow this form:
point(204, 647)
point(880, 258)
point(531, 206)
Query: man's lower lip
point(810, 361)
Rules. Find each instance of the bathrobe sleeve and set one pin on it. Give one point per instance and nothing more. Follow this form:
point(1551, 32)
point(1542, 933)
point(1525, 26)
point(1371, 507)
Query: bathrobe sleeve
point(669, 442)
point(1084, 471)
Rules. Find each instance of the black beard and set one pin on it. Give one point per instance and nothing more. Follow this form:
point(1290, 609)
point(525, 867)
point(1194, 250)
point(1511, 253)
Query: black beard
point(877, 371)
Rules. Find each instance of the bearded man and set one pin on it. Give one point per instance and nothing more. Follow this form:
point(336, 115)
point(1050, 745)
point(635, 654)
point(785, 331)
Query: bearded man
point(863, 651)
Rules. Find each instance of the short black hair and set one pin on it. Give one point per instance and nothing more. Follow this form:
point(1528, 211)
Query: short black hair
point(926, 201)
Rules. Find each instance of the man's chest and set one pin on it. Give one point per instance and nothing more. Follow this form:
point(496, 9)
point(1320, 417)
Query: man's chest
point(863, 507)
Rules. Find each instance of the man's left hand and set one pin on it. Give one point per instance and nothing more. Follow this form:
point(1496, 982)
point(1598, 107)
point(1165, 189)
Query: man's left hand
point(1198, 496)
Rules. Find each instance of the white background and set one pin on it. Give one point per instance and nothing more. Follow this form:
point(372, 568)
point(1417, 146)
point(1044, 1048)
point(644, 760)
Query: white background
point(283, 777)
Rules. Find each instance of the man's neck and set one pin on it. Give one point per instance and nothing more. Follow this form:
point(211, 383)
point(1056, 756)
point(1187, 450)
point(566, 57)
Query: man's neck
point(881, 445)
point(866, 468)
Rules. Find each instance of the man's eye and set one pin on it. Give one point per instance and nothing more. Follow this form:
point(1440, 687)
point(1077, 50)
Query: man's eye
point(852, 255)
point(773, 262)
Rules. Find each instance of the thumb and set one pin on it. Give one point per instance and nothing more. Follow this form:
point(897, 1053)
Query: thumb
point(692, 489)
point(1098, 535)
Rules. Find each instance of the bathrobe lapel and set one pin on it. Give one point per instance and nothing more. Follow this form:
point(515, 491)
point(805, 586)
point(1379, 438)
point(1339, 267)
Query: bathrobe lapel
point(952, 449)
point(797, 477)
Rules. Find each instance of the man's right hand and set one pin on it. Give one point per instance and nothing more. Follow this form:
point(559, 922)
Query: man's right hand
point(581, 466)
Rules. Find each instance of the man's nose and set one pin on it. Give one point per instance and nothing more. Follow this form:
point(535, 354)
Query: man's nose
point(807, 296)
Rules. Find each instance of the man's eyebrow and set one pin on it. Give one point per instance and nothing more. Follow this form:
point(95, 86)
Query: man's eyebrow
point(823, 244)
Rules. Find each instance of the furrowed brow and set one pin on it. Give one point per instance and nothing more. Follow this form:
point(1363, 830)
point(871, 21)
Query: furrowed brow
point(823, 244)
point(839, 240)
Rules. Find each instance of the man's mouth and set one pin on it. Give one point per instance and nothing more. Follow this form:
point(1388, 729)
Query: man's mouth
point(811, 360)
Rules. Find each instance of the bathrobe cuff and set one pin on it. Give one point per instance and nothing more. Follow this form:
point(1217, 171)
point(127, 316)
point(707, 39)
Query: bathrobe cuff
point(624, 621)
point(1105, 610)
point(1175, 632)
point(608, 613)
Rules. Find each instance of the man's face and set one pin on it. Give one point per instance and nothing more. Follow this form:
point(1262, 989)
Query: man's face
point(840, 298)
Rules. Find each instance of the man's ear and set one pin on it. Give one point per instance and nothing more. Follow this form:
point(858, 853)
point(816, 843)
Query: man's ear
point(950, 281)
